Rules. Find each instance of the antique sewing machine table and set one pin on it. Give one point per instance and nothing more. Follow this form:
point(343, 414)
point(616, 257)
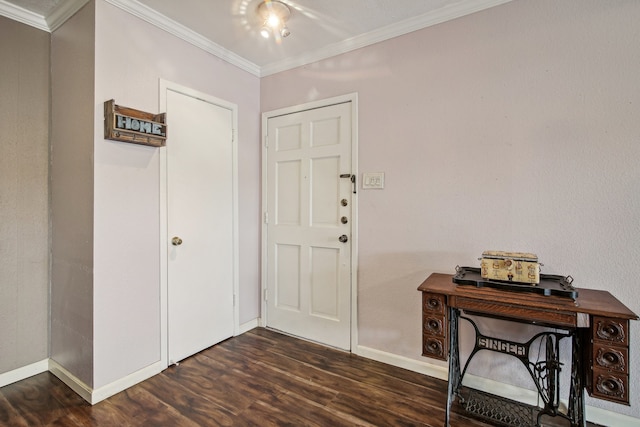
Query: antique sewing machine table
point(595, 321)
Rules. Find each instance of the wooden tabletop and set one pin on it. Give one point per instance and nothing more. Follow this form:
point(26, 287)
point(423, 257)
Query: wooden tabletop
point(589, 301)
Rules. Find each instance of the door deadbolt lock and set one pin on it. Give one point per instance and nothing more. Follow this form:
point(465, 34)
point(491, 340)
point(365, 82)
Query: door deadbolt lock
point(344, 202)
point(344, 220)
point(176, 241)
point(343, 238)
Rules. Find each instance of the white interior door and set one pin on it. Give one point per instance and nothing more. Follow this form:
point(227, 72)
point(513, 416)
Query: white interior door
point(200, 224)
point(309, 208)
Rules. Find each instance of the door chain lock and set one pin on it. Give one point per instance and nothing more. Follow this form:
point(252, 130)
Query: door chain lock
point(352, 178)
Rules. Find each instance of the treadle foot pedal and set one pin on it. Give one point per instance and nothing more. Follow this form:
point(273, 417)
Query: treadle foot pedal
point(504, 412)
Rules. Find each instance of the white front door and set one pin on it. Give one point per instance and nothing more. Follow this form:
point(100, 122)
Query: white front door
point(309, 223)
point(200, 224)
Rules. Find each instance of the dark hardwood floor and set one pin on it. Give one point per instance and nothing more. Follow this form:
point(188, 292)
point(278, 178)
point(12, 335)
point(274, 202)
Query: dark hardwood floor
point(260, 378)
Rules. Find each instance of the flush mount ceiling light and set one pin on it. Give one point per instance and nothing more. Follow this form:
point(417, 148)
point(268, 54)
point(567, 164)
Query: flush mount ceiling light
point(274, 16)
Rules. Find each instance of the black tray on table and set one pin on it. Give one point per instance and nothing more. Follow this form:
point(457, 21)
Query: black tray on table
point(549, 284)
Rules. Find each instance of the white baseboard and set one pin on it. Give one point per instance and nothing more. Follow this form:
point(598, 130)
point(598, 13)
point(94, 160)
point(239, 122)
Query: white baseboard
point(24, 372)
point(94, 396)
point(593, 414)
point(246, 327)
point(608, 418)
point(124, 383)
point(73, 382)
point(403, 362)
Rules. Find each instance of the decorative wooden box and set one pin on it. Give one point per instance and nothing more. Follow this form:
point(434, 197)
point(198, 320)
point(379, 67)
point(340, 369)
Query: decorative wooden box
point(517, 267)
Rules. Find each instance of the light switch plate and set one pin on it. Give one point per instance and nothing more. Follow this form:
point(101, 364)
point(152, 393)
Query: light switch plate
point(373, 180)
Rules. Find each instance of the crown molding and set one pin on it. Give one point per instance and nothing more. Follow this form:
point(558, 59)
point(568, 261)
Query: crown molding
point(58, 16)
point(447, 13)
point(22, 15)
point(157, 19)
point(62, 13)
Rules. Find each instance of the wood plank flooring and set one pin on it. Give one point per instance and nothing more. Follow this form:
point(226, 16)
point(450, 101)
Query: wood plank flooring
point(260, 378)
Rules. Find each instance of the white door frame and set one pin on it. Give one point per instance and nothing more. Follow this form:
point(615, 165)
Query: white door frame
point(164, 238)
point(353, 99)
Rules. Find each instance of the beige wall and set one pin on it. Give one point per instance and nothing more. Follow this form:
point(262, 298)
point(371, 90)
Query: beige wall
point(24, 196)
point(72, 76)
point(515, 128)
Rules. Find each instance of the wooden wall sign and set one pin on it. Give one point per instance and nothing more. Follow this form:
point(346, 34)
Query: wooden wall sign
point(135, 126)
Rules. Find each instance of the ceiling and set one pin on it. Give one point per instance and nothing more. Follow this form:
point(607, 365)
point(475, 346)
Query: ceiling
point(230, 28)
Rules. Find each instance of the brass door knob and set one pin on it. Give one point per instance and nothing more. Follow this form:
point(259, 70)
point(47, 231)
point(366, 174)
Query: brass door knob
point(176, 241)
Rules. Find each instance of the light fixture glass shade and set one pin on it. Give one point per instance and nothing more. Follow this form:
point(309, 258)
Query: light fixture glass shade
point(274, 14)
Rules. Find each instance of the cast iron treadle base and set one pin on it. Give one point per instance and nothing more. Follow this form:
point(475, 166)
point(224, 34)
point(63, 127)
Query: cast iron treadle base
point(504, 412)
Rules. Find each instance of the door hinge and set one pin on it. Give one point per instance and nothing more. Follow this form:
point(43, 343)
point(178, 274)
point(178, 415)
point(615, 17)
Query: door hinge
point(266, 217)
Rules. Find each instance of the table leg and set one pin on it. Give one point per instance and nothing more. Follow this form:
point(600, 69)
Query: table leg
point(576, 391)
point(454, 362)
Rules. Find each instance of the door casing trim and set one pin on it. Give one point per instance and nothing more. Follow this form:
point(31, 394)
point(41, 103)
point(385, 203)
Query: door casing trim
point(342, 99)
point(164, 86)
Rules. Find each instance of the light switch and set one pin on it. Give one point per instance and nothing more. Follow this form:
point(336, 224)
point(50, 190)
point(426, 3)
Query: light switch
point(373, 180)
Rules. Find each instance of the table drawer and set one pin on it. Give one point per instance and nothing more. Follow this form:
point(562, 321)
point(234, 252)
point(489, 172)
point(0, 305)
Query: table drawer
point(433, 303)
point(434, 347)
point(612, 358)
point(434, 325)
point(610, 386)
point(611, 330)
point(514, 312)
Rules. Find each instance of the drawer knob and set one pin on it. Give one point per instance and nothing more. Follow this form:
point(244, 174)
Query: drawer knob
point(434, 303)
point(433, 326)
point(434, 347)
